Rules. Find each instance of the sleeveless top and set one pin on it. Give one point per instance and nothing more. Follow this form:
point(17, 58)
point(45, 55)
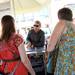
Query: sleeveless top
point(66, 56)
point(7, 51)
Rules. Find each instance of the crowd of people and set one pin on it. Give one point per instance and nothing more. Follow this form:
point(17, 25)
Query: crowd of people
point(13, 57)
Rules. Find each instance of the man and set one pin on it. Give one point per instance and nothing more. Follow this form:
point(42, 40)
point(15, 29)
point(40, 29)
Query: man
point(35, 42)
point(36, 37)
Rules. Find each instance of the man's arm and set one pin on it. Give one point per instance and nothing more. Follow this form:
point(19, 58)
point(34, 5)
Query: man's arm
point(28, 43)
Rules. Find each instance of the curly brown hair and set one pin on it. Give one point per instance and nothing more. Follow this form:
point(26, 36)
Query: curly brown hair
point(65, 14)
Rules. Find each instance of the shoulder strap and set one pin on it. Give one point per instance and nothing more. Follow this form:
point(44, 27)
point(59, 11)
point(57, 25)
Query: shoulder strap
point(69, 26)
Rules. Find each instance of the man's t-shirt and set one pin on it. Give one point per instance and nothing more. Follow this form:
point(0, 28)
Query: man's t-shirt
point(36, 39)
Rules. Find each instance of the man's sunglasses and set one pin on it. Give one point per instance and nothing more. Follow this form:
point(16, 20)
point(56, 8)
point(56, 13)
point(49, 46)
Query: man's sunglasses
point(36, 25)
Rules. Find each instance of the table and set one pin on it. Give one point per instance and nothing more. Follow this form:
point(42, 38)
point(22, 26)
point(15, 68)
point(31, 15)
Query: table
point(37, 60)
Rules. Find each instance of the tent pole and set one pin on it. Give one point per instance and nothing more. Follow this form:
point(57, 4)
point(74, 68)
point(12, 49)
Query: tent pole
point(13, 11)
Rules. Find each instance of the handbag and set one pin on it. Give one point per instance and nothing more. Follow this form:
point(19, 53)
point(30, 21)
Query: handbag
point(52, 59)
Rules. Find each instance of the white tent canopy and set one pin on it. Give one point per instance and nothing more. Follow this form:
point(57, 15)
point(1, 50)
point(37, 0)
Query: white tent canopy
point(28, 5)
point(3, 1)
point(20, 6)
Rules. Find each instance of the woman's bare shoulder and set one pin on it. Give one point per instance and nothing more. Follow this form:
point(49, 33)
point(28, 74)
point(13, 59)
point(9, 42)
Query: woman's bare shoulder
point(60, 25)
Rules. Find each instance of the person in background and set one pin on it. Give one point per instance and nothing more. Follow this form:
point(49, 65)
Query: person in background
point(32, 28)
point(35, 42)
point(36, 37)
point(64, 34)
point(13, 58)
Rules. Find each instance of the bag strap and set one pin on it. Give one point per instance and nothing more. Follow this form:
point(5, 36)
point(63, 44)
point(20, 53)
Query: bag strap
point(11, 60)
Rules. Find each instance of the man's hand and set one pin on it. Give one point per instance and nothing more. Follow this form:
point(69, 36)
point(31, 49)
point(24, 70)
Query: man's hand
point(32, 46)
point(28, 45)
